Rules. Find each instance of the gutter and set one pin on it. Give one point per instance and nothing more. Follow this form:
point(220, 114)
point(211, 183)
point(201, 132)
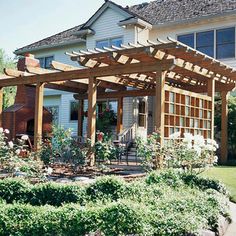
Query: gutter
point(20, 52)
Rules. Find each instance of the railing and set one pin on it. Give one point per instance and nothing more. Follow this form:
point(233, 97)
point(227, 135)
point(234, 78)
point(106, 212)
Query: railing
point(127, 135)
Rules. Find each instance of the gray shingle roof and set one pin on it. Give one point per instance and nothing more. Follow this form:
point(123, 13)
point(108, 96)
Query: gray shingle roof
point(154, 12)
point(166, 11)
point(60, 38)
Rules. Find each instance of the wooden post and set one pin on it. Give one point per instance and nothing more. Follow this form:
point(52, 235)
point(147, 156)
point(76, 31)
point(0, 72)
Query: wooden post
point(224, 127)
point(1, 106)
point(120, 115)
point(211, 93)
point(160, 104)
point(80, 118)
point(92, 101)
point(38, 116)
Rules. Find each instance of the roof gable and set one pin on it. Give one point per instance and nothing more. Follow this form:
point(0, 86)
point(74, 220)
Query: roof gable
point(103, 8)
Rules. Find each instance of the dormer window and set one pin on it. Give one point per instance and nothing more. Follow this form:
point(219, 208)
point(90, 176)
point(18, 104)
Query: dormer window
point(109, 42)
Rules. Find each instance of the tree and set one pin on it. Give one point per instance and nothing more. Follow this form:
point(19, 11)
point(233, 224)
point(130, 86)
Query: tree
point(9, 93)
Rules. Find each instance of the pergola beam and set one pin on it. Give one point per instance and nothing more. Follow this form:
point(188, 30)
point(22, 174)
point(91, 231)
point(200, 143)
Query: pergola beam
point(88, 72)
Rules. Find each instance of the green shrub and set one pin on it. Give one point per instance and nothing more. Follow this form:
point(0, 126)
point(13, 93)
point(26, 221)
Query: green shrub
point(110, 187)
point(169, 177)
point(56, 194)
point(204, 183)
point(19, 190)
point(14, 190)
point(124, 218)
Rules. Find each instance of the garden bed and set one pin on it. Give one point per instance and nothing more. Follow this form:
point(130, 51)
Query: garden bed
point(166, 203)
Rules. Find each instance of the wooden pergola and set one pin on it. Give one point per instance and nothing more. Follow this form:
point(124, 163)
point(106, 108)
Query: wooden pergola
point(182, 80)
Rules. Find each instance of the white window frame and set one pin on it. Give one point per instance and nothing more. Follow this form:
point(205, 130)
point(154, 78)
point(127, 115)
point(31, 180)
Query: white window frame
point(110, 39)
point(211, 29)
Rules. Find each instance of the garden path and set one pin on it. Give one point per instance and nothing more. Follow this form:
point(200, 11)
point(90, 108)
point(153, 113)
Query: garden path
point(232, 227)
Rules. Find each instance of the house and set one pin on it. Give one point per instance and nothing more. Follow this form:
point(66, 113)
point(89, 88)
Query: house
point(206, 25)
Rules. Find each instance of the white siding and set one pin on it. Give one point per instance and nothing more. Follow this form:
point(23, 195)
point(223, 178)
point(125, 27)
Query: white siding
point(59, 53)
point(106, 26)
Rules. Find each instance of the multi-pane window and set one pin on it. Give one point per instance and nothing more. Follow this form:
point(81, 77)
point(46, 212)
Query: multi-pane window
point(74, 105)
point(205, 42)
point(187, 39)
point(225, 43)
point(142, 115)
point(215, 43)
point(109, 42)
point(45, 62)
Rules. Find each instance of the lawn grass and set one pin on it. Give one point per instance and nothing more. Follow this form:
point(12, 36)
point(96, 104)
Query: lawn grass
point(226, 174)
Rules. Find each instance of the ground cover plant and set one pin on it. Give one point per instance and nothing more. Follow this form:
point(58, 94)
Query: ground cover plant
point(164, 203)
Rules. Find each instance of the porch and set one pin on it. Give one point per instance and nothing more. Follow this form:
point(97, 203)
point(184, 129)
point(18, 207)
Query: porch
point(181, 81)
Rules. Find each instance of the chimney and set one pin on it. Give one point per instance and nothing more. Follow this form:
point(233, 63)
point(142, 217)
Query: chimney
point(26, 94)
point(27, 60)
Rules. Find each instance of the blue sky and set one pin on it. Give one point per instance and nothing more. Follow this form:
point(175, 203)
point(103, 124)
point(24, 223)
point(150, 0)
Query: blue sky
point(26, 21)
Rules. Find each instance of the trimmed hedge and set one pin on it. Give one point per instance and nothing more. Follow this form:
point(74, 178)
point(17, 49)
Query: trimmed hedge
point(19, 190)
point(120, 218)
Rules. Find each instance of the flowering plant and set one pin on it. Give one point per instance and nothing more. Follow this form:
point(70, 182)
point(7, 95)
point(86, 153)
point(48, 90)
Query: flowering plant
point(14, 156)
point(105, 148)
point(193, 152)
point(150, 151)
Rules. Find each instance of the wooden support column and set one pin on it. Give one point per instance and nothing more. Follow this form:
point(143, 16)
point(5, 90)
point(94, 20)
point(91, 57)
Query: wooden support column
point(38, 116)
point(80, 118)
point(160, 104)
point(224, 127)
point(120, 115)
point(211, 93)
point(1, 106)
point(92, 101)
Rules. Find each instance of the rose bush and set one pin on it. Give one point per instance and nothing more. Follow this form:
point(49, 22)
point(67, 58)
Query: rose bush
point(192, 152)
point(15, 157)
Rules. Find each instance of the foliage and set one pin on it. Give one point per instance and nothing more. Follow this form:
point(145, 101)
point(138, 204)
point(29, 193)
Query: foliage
point(55, 194)
point(14, 157)
point(192, 153)
point(150, 151)
point(106, 187)
point(105, 148)
point(8, 92)
point(204, 183)
point(110, 206)
point(231, 123)
point(63, 147)
point(106, 119)
point(14, 190)
point(172, 178)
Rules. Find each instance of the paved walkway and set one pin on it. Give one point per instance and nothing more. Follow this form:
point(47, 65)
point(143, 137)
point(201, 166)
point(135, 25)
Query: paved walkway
point(232, 228)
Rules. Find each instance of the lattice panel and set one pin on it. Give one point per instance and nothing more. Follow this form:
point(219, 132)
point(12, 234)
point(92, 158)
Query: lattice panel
point(187, 112)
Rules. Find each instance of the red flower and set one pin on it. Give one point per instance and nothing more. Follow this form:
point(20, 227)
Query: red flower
point(100, 136)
